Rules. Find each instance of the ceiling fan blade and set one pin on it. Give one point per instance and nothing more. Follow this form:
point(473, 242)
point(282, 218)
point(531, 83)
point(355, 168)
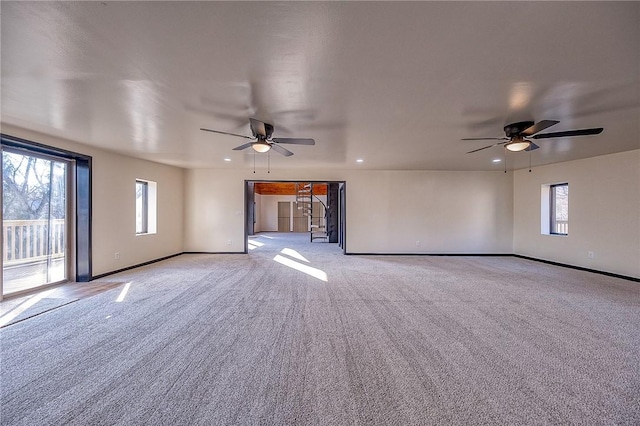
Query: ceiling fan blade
point(208, 112)
point(485, 147)
point(281, 150)
point(532, 146)
point(297, 114)
point(295, 141)
point(484, 139)
point(330, 125)
point(269, 130)
point(241, 147)
point(226, 133)
point(484, 124)
point(569, 133)
point(538, 127)
point(258, 127)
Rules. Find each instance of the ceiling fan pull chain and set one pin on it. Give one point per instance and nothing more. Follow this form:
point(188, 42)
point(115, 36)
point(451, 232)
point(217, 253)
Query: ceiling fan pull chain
point(504, 151)
point(254, 161)
point(268, 162)
point(529, 160)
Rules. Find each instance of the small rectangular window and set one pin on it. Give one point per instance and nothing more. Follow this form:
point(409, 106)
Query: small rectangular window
point(559, 209)
point(142, 207)
point(146, 207)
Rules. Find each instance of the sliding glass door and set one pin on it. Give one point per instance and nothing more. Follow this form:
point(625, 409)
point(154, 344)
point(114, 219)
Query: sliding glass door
point(34, 220)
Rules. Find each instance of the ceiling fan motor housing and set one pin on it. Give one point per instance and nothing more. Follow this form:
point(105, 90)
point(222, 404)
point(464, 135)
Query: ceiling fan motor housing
point(515, 129)
point(268, 131)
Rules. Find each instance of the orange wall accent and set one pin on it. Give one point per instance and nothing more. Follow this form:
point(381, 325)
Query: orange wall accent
point(286, 188)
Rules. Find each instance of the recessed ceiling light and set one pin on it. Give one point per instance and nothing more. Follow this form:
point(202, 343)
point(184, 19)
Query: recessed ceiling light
point(227, 159)
point(359, 160)
point(496, 160)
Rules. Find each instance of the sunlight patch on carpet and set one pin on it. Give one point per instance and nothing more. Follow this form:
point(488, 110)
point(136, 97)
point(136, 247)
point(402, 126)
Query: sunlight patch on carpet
point(9, 316)
point(292, 253)
point(314, 272)
point(124, 292)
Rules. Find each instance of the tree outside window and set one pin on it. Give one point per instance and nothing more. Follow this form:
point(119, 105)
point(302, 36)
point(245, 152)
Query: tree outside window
point(559, 211)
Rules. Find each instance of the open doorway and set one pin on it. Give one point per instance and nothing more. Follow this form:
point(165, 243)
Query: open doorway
point(315, 208)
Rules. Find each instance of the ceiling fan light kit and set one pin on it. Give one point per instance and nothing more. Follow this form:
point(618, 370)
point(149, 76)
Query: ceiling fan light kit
point(261, 146)
point(518, 144)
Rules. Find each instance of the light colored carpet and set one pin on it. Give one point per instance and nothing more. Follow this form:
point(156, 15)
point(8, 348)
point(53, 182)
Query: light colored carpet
point(42, 306)
point(388, 340)
point(20, 308)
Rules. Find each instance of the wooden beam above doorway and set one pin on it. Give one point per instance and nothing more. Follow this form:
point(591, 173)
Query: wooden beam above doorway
point(286, 188)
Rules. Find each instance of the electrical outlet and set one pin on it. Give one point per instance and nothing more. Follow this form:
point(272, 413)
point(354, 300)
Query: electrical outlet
point(418, 243)
point(591, 255)
point(229, 242)
point(116, 255)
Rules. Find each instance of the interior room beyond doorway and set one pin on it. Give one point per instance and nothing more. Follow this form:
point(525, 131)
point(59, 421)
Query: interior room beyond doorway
point(300, 207)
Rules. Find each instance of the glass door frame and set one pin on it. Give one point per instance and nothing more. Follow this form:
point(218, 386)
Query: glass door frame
point(68, 219)
point(78, 201)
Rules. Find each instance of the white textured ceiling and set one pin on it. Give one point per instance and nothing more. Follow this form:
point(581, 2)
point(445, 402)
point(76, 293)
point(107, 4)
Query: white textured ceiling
point(397, 84)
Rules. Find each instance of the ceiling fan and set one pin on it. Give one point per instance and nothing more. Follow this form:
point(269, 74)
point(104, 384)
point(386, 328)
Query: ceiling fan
point(518, 135)
point(262, 140)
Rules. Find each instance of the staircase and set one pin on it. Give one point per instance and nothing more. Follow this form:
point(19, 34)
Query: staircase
point(315, 210)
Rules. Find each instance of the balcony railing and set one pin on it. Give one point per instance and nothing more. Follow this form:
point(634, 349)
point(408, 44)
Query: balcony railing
point(25, 241)
point(562, 227)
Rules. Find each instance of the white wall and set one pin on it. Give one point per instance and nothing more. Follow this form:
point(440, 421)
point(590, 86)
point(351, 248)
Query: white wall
point(604, 213)
point(387, 211)
point(446, 212)
point(268, 217)
point(113, 219)
point(267, 210)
